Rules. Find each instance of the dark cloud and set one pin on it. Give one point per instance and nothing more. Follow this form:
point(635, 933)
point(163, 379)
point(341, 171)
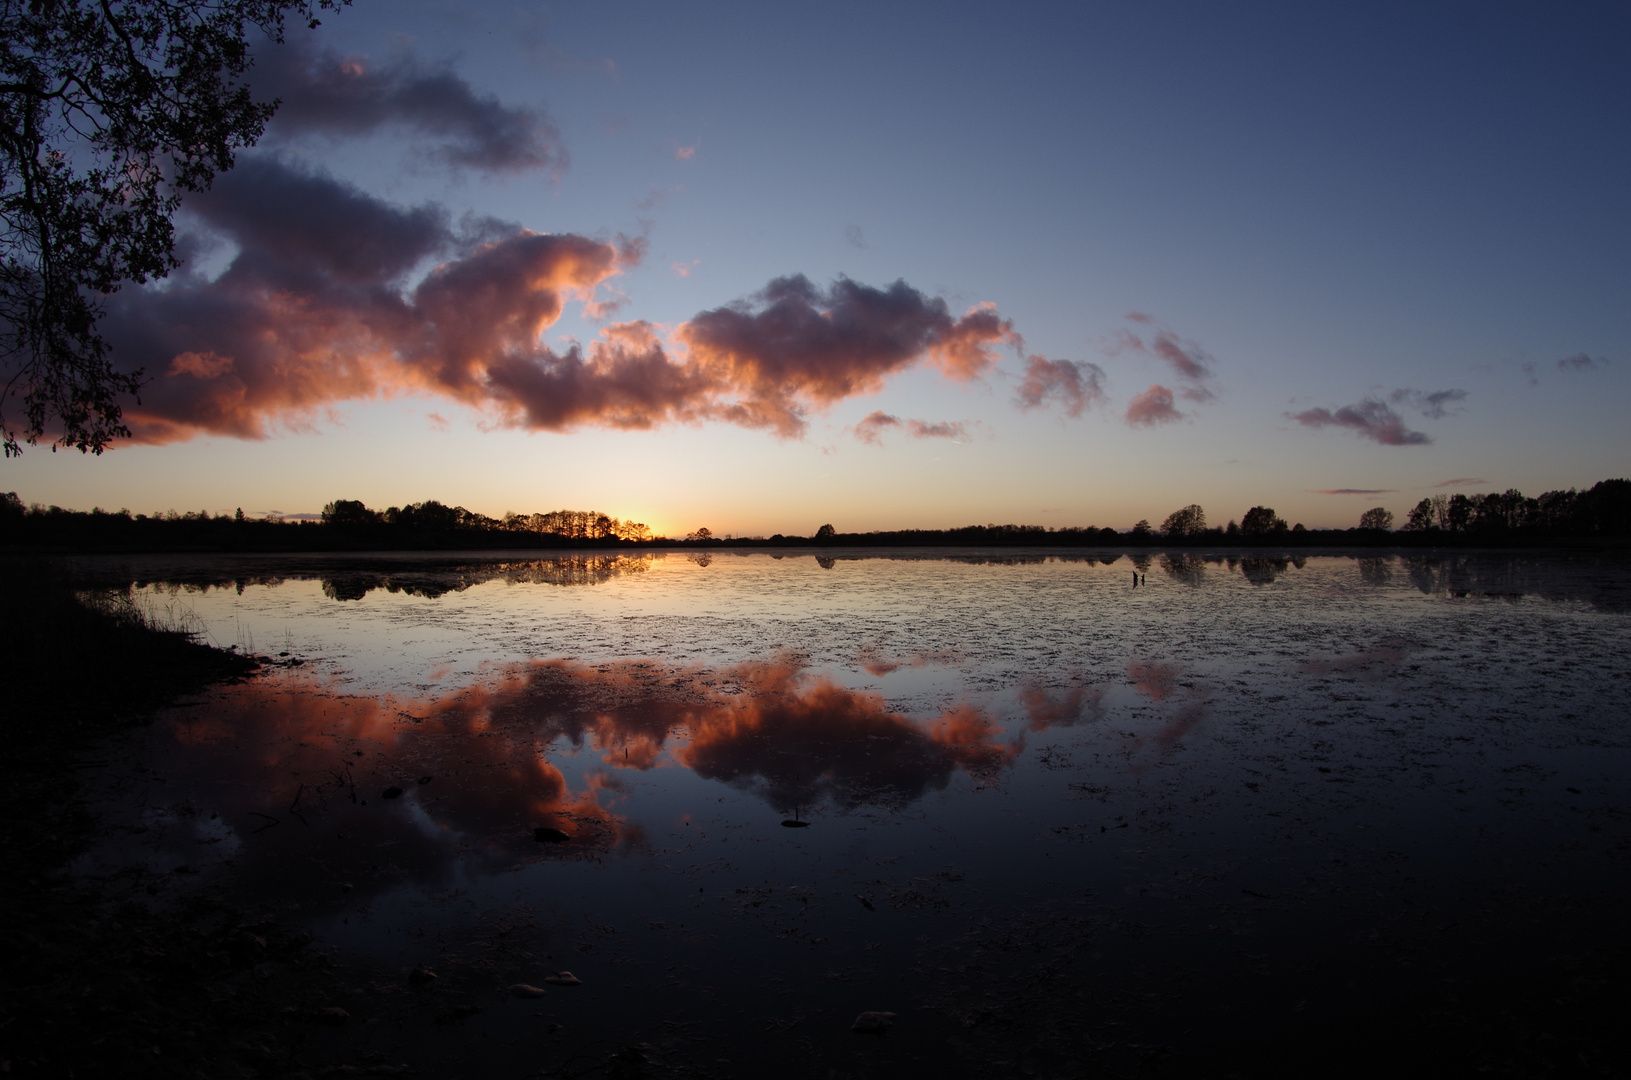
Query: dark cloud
point(1370, 419)
point(325, 93)
point(1434, 406)
point(1153, 406)
point(311, 310)
point(1354, 491)
point(795, 346)
point(1461, 481)
point(1076, 385)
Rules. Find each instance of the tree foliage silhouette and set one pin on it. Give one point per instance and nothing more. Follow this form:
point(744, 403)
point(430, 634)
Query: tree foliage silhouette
point(1190, 521)
point(1378, 517)
point(113, 109)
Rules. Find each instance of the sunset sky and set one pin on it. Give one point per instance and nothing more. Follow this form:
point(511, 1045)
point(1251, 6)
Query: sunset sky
point(763, 266)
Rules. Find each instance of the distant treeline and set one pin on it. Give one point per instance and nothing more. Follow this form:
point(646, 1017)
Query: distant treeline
point(1599, 514)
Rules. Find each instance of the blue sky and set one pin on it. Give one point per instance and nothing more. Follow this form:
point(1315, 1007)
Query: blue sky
point(1378, 248)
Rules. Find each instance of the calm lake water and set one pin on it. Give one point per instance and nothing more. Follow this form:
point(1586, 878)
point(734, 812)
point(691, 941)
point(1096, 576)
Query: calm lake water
point(1041, 811)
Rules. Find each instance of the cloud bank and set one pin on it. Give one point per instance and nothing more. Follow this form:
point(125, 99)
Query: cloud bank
point(331, 295)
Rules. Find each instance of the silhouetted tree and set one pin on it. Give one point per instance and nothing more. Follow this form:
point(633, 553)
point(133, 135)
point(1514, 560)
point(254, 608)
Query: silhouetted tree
point(1261, 522)
point(1142, 530)
point(113, 109)
point(703, 533)
point(1421, 517)
point(825, 534)
point(349, 514)
point(1458, 513)
point(1379, 518)
point(1190, 521)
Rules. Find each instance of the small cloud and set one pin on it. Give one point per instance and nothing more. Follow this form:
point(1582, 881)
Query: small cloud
point(1192, 364)
point(871, 428)
point(685, 153)
point(1370, 419)
point(438, 421)
point(683, 269)
point(1581, 362)
point(854, 236)
point(1462, 481)
point(1434, 406)
point(1577, 362)
point(954, 430)
point(1353, 491)
point(873, 425)
point(1074, 384)
point(1153, 406)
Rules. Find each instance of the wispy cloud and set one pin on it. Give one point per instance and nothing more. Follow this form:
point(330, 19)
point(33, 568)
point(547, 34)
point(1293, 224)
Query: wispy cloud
point(1370, 419)
point(684, 269)
point(1461, 481)
point(854, 237)
point(1434, 406)
point(1577, 363)
point(1353, 491)
point(1153, 406)
point(1074, 384)
point(685, 153)
point(871, 428)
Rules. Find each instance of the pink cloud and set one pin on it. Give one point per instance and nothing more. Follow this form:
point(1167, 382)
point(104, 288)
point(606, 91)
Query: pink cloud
point(871, 428)
point(1075, 384)
point(1153, 406)
point(873, 425)
point(685, 153)
point(1191, 364)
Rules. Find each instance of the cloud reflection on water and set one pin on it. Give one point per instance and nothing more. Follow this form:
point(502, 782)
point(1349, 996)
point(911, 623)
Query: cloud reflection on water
point(479, 768)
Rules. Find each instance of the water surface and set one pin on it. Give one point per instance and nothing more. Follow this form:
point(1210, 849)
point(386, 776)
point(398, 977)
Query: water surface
point(1040, 810)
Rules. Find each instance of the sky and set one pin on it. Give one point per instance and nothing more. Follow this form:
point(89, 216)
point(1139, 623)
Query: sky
point(761, 267)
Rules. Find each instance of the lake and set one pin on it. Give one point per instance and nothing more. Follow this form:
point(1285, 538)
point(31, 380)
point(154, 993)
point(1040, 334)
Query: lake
point(1033, 809)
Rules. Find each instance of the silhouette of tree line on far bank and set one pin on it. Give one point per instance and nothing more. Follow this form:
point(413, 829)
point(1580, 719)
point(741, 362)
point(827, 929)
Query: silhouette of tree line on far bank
point(1600, 514)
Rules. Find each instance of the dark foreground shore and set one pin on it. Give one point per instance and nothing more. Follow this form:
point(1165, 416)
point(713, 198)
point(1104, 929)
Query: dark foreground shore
point(148, 974)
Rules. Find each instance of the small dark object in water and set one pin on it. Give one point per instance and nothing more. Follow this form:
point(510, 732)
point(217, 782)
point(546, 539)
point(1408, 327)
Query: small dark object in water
point(546, 835)
point(791, 824)
point(873, 1023)
point(333, 1014)
point(563, 978)
point(526, 990)
point(420, 976)
point(865, 902)
point(391, 793)
point(426, 779)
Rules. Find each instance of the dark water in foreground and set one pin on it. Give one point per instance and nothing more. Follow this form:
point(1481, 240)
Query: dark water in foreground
point(1047, 812)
